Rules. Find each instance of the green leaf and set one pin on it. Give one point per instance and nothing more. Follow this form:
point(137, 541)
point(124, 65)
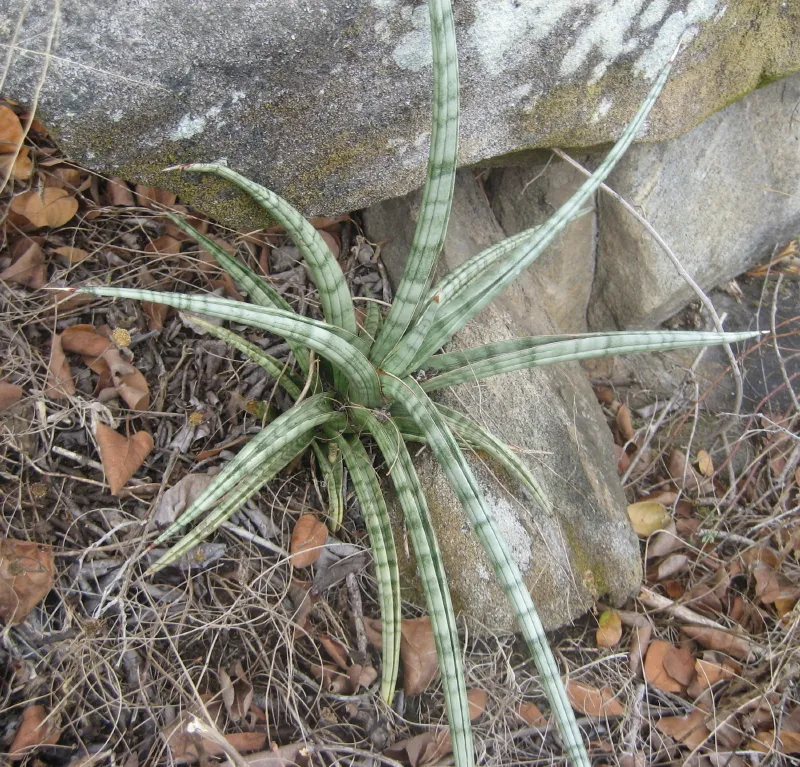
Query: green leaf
point(379, 529)
point(521, 353)
point(329, 460)
point(258, 290)
point(258, 461)
point(438, 193)
point(479, 438)
point(483, 288)
point(434, 581)
point(445, 450)
point(337, 306)
point(372, 323)
point(326, 340)
point(401, 360)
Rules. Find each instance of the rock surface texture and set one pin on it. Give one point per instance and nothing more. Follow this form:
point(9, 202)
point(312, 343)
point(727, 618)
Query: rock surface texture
point(722, 196)
point(328, 102)
point(586, 548)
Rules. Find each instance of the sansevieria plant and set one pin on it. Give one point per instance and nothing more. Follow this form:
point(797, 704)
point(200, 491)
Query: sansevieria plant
point(376, 381)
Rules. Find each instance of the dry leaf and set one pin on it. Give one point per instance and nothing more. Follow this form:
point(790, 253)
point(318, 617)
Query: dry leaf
point(119, 192)
point(609, 630)
point(361, 676)
point(647, 517)
point(150, 196)
point(180, 497)
point(54, 207)
point(21, 165)
point(690, 730)
point(531, 714)
point(86, 341)
point(164, 245)
point(35, 729)
point(418, 652)
point(421, 750)
point(237, 696)
point(186, 746)
point(128, 381)
point(59, 378)
point(672, 565)
point(664, 541)
point(679, 664)
point(592, 701)
point(654, 667)
point(11, 133)
point(476, 700)
point(624, 423)
point(28, 269)
point(788, 742)
point(337, 651)
point(682, 473)
point(308, 538)
point(290, 755)
point(705, 464)
point(26, 576)
point(121, 457)
point(724, 641)
point(72, 255)
point(10, 394)
point(708, 672)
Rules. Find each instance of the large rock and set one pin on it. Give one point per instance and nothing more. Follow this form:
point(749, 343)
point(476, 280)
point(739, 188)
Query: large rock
point(722, 196)
point(329, 102)
point(526, 196)
point(587, 548)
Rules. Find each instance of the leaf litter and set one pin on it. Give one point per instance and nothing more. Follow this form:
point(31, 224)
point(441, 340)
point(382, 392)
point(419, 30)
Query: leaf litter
point(720, 555)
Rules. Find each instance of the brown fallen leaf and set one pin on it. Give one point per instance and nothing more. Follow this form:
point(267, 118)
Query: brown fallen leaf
point(35, 729)
point(592, 701)
point(787, 742)
point(683, 474)
point(290, 755)
point(716, 639)
point(691, 730)
point(121, 457)
point(361, 677)
point(21, 165)
point(186, 746)
point(10, 394)
point(337, 651)
point(476, 700)
point(119, 192)
point(679, 664)
point(59, 378)
point(647, 517)
point(705, 464)
point(86, 341)
point(531, 714)
point(668, 567)
point(709, 671)
point(71, 255)
point(28, 269)
point(422, 750)
point(165, 245)
point(26, 576)
point(308, 538)
point(664, 541)
point(128, 381)
point(54, 207)
point(626, 430)
point(11, 133)
point(180, 497)
point(150, 197)
point(654, 667)
point(418, 653)
point(609, 629)
point(236, 692)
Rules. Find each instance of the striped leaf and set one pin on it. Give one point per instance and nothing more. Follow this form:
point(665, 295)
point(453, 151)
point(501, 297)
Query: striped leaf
point(329, 460)
point(372, 323)
point(483, 288)
point(258, 290)
point(326, 340)
point(265, 455)
point(521, 353)
point(434, 581)
point(445, 450)
point(337, 306)
point(400, 361)
point(379, 529)
point(438, 193)
point(481, 439)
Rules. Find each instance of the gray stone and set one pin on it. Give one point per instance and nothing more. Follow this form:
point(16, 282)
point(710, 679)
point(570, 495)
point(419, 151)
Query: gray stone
point(722, 197)
point(329, 102)
point(522, 197)
point(587, 548)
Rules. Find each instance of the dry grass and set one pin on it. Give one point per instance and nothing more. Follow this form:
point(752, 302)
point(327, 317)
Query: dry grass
point(117, 657)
